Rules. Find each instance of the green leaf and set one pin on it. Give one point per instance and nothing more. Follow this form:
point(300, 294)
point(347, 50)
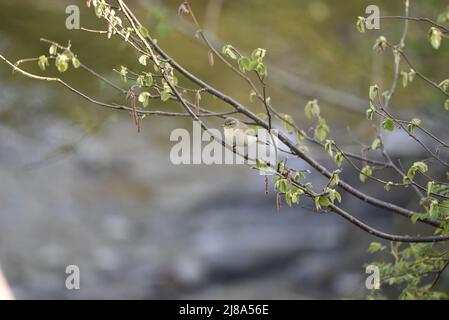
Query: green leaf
point(388, 186)
point(323, 201)
point(98, 11)
point(292, 196)
point(61, 62)
point(166, 93)
point(53, 49)
point(322, 130)
point(230, 52)
point(361, 24)
point(299, 175)
point(317, 203)
point(288, 119)
point(435, 36)
point(337, 196)
point(376, 246)
point(253, 65)
point(144, 98)
point(373, 91)
point(380, 45)
point(261, 69)
point(397, 55)
point(244, 64)
point(260, 164)
point(335, 180)
point(296, 193)
point(333, 195)
point(258, 54)
point(429, 188)
point(417, 167)
point(418, 216)
point(405, 79)
point(140, 81)
point(376, 144)
point(339, 159)
point(143, 31)
point(124, 73)
point(421, 166)
point(367, 171)
point(99, 7)
point(388, 124)
point(312, 109)
point(370, 112)
point(433, 209)
point(288, 199)
point(406, 180)
point(143, 59)
point(328, 147)
point(413, 124)
point(444, 85)
point(281, 185)
point(252, 96)
point(446, 105)
point(411, 75)
point(148, 79)
point(416, 121)
point(43, 62)
point(75, 62)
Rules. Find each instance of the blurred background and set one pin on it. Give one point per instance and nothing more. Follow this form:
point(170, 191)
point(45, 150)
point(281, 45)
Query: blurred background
point(79, 186)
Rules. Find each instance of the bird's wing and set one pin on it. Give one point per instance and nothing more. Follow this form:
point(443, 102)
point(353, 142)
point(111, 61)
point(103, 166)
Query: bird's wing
point(250, 132)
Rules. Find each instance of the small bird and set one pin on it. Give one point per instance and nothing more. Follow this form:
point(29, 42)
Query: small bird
point(238, 133)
